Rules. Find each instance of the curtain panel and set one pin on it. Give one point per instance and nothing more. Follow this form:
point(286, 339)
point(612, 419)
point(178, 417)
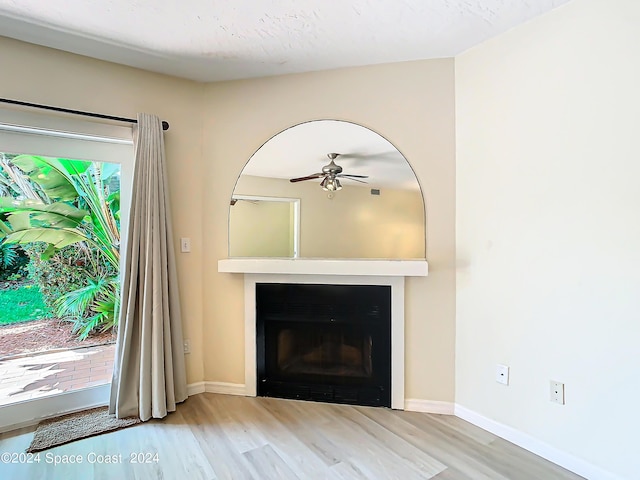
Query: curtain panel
point(149, 376)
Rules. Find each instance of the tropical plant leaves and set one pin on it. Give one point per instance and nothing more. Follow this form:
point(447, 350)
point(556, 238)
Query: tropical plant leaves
point(55, 212)
point(31, 220)
point(98, 296)
point(71, 181)
point(113, 201)
point(52, 174)
point(58, 238)
point(8, 255)
point(70, 201)
point(4, 229)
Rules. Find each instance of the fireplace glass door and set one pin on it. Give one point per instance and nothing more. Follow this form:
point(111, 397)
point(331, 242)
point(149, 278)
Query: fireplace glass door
point(324, 342)
point(333, 351)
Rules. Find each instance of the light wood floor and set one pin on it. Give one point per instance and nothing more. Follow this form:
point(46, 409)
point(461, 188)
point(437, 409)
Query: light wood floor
point(217, 436)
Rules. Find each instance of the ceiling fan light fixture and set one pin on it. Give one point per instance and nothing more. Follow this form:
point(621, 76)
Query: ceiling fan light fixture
point(331, 184)
point(329, 174)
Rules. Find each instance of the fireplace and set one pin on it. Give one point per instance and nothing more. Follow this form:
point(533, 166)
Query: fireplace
point(322, 342)
point(322, 272)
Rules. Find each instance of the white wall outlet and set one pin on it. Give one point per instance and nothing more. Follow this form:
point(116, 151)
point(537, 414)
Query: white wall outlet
point(185, 245)
point(186, 344)
point(502, 374)
point(557, 392)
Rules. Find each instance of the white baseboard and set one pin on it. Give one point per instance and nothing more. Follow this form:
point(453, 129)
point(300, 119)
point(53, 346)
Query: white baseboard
point(195, 388)
point(429, 406)
point(544, 450)
point(217, 387)
point(226, 388)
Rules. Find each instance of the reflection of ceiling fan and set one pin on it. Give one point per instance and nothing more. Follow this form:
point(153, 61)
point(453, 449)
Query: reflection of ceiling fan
point(331, 173)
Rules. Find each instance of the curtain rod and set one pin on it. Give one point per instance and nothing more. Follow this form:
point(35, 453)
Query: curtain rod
point(165, 125)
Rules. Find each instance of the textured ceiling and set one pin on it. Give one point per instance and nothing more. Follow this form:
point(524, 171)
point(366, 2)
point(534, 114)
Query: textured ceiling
point(211, 40)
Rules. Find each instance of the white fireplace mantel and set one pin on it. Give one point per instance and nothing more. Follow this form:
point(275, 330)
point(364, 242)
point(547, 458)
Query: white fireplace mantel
point(322, 266)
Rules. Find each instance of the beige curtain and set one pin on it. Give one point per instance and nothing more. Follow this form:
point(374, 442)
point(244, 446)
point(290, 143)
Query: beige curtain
point(149, 373)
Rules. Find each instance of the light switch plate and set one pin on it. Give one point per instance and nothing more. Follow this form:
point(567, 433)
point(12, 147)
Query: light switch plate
point(185, 245)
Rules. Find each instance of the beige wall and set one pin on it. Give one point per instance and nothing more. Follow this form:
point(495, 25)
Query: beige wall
point(412, 105)
point(548, 237)
point(352, 223)
point(35, 74)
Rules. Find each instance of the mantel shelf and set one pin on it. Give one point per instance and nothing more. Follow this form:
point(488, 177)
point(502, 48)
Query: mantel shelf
point(321, 266)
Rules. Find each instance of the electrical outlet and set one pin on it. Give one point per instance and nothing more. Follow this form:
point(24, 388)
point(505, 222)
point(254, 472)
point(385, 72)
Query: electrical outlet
point(556, 392)
point(502, 374)
point(187, 346)
point(185, 245)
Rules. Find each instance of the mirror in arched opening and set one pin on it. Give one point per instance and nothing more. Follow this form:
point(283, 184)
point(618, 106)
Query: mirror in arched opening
point(271, 216)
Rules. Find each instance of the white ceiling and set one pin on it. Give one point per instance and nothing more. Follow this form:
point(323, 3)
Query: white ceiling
point(211, 40)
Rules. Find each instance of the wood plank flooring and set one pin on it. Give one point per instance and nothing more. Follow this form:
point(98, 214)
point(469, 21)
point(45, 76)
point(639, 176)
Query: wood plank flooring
point(226, 437)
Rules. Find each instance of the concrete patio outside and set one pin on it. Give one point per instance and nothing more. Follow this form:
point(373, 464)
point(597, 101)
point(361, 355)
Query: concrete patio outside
point(40, 375)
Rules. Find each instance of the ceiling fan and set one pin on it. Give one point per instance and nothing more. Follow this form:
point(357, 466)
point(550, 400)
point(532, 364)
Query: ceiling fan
point(330, 174)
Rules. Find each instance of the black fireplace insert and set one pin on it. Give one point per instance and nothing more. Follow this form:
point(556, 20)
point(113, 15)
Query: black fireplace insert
point(329, 343)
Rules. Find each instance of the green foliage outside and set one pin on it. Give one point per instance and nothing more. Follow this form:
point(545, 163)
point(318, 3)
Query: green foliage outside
point(65, 214)
point(13, 262)
point(8, 256)
point(21, 304)
point(57, 275)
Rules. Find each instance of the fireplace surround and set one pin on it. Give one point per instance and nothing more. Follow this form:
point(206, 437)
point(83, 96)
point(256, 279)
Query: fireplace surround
point(332, 272)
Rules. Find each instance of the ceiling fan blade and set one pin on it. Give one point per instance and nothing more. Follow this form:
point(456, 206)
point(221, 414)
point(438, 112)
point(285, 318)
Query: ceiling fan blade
point(352, 176)
point(354, 179)
point(391, 156)
point(308, 177)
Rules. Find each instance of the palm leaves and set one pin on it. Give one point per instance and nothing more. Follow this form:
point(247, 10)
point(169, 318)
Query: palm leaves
point(93, 306)
point(8, 256)
point(64, 202)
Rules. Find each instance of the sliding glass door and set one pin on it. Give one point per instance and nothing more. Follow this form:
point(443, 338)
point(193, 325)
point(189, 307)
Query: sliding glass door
point(65, 189)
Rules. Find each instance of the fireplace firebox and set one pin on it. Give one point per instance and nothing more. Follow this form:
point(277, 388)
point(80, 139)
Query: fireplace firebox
point(329, 343)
